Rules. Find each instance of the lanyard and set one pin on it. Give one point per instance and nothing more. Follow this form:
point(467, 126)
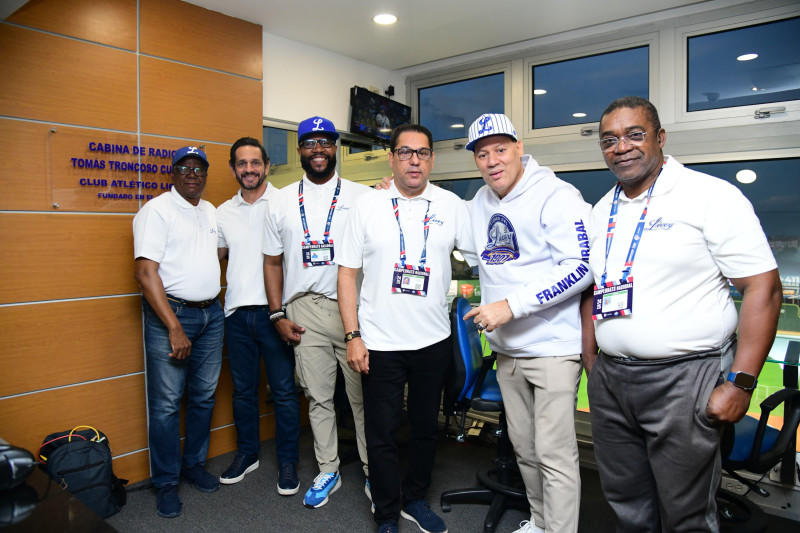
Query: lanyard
point(330, 211)
point(637, 234)
point(426, 227)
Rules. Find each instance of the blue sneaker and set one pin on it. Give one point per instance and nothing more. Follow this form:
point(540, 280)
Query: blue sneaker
point(421, 514)
point(324, 485)
point(389, 527)
point(240, 467)
point(202, 480)
point(288, 483)
point(168, 503)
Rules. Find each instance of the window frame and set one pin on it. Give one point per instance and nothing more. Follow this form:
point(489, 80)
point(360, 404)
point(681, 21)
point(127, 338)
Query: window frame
point(651, 40)
point(416, 84)
point(737, 115)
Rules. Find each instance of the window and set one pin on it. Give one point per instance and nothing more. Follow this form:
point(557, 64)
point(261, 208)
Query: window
point(577, 91)
point(277, 145)
point(448, 109)
point(744, 66)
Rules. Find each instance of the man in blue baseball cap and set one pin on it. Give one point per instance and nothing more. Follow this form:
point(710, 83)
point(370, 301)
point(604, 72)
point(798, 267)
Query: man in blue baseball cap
point(176, 264)
point(303, 233)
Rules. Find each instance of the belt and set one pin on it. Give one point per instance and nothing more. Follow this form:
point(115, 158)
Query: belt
point(252, 308)
point(194, 305)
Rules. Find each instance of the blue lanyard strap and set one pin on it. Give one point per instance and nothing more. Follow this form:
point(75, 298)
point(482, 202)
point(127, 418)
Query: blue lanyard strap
point(426, 228)
point(330, 211)
point(637, 234)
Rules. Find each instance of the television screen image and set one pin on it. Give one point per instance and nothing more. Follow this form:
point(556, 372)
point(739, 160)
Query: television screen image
point(374, 116)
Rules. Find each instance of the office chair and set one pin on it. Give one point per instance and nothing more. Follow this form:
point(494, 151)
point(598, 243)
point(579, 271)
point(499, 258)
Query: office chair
point(473, 385)
point(754, 446)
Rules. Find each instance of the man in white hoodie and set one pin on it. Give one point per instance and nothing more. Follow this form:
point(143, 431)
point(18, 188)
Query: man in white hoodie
point(530, 230)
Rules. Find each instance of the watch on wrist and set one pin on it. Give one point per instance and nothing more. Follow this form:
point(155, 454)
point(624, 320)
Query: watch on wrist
point(743, 380)
point(351, 335)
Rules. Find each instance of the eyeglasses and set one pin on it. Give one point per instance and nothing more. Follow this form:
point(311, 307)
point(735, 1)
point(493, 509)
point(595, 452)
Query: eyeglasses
point(200, 172)
point(634, 138)
point(404, 154)
point(309, 144)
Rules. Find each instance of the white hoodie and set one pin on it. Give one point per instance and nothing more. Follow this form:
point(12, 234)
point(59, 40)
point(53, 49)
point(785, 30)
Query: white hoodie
point(533, 251)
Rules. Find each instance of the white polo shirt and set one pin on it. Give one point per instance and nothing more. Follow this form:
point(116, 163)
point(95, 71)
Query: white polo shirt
point(182, 239)
point(397, 321)
point(241, 229)
point(699, 231)
point(283, 232)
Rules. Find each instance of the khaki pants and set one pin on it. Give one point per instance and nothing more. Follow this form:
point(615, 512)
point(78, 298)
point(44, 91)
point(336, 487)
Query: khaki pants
point(540, 395)
point(321, 348)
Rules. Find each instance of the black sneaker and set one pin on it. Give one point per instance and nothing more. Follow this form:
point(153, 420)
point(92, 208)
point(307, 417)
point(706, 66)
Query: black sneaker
point(202, 480)
point(240, 467)
point(288, 483)
point(168, 503)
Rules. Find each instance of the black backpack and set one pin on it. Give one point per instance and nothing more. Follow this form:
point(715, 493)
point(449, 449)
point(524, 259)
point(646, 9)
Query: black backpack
point(80, 461)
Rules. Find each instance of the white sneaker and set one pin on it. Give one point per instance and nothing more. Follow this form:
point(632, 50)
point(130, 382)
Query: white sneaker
point(528, 527)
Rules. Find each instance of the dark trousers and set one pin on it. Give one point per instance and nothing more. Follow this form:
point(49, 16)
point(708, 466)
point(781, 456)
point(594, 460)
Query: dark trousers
point(424, 370)
point(656, 450)
point(251, 339)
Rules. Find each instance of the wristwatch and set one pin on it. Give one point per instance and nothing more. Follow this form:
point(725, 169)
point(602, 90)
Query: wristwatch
point(743, 380)
point(351, 335)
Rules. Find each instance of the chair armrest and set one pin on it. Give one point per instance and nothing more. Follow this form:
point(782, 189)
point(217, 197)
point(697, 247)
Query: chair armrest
point(486, 365)
point(761, 462)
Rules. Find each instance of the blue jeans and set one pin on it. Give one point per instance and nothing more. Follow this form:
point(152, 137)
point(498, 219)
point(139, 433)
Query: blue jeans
point(251, 338)
point(168, 379)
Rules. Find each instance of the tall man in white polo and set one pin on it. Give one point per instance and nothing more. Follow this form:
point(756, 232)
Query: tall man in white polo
point(402, 238)
point(672, 369)
point(249, 335)
point(530, 229)
point(303, 233)
point(175, 248)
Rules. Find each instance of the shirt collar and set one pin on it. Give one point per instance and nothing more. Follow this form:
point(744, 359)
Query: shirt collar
point(180, 201)
point(238, 200)
point(330, 184)
point(427, 194)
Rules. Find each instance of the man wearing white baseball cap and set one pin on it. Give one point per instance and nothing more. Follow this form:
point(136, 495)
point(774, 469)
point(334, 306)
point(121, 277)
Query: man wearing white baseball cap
point(529, 229)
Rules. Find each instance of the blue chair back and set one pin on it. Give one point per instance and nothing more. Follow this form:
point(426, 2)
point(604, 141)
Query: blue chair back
point(467, 347)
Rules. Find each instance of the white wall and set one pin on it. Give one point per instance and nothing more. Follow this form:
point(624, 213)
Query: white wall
point(301, 81)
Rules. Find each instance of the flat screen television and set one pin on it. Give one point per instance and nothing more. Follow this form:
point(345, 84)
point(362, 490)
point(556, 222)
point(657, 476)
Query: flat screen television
point(373, 116)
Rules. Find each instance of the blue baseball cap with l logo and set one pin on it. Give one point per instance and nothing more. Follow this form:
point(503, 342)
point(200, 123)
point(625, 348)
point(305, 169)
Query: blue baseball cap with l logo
point(313, 125)
point(187, 151)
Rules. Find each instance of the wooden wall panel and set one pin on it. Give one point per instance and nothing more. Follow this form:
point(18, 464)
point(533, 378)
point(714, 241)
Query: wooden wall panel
point(111, 23)
point(134, 467)
point(190, 103)
point(115, 406)
point(53, 256)
point(62, 343)
point(192, 34)
point(50, 78)
point(24, 174)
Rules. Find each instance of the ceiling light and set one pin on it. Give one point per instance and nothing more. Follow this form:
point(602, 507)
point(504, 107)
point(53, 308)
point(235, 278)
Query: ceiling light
point(579, 115)
point(746, 57)
point(456, 125)
point(539, 91)
point(384, 18)
point(458, 257)
point(755, 88)
point(746, 176)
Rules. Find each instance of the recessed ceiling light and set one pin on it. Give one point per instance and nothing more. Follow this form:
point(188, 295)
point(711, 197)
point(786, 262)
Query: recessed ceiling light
point(456, 125)
point(746, 57)
point(579, 115)
point(384, 18)
point(539, 91)
point(746, 176)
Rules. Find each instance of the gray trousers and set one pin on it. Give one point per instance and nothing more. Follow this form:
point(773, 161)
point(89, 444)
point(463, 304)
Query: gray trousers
point(656, 450)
